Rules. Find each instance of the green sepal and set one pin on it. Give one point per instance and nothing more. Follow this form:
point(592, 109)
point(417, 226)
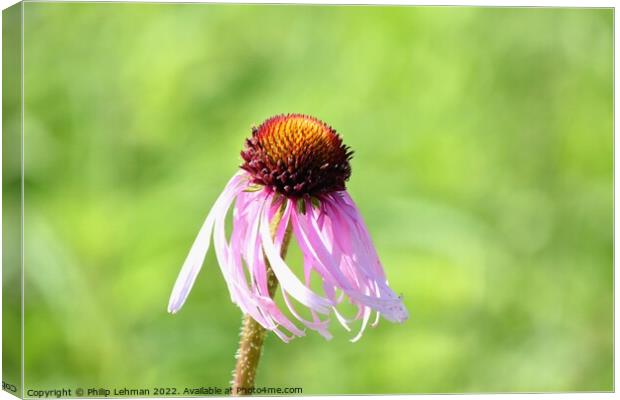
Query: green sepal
point(253, 188)
point(301, 206)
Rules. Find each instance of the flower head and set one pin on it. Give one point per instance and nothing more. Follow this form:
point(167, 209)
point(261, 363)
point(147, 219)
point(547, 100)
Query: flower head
point(297, 155)
point(292, 183)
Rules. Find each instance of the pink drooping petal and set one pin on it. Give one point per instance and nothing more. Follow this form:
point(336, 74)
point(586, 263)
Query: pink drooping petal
point(246, 234)
point(366, 317)
point(282, 336)
point(246, 249)
point(195, 258)
point(285, 276)
point(255, 302)
point(376, 321)
point(317, 325)
point(244, 241)
point(313, 243)
point(362, 240)
point(343, 321)
point(229, 259)
point(329, 292)
point(329, 283)
point(351, 266)
point(350, 243)
point(270, 306)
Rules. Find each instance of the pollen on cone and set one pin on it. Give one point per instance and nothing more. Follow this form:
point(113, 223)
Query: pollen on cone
point(297, 155)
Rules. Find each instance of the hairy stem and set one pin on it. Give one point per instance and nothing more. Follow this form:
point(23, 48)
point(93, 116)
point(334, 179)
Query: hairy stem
point(252, 333)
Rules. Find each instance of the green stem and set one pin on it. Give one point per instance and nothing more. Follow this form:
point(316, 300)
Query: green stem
point(252, 333)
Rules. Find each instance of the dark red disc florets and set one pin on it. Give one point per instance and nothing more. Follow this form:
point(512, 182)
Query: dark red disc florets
point(297, 155)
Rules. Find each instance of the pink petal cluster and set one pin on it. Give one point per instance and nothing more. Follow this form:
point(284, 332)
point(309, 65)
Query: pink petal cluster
point(335, 245)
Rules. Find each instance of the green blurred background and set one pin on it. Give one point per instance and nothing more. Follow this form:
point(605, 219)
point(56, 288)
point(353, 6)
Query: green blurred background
point(483, 166)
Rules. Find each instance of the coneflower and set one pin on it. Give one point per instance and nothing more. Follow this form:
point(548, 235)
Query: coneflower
point(291, 184)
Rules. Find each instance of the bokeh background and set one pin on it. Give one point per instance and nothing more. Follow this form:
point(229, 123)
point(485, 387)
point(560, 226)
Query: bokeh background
point(483, 166)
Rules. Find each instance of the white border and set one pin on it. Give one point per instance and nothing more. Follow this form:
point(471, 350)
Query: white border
point(480, 3)
point(485, 3)
point(22, 210)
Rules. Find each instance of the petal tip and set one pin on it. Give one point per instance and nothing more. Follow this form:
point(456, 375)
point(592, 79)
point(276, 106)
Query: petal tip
point(401, 315)
point(174, 305)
